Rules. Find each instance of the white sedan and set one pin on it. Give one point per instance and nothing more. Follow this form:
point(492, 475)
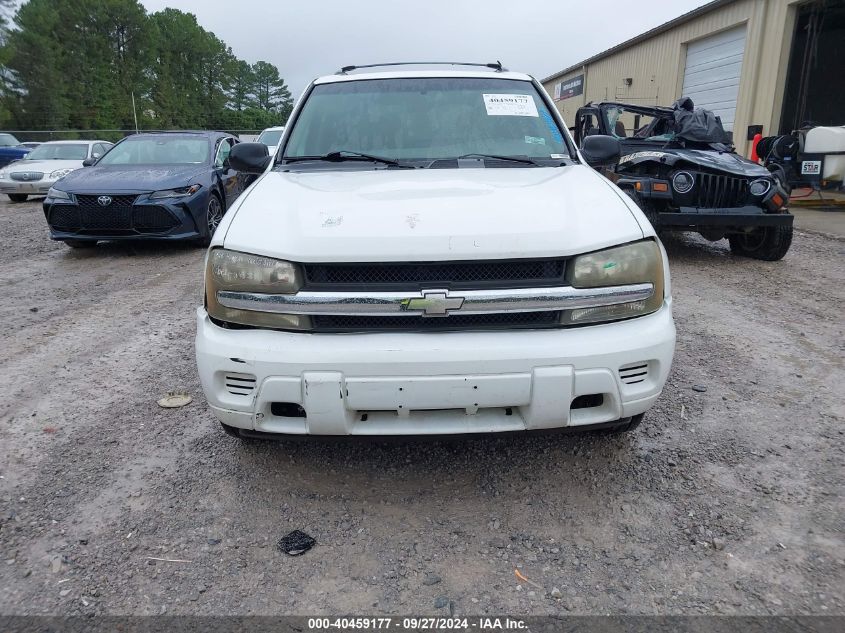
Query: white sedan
point(271, 137)
point(36, 172)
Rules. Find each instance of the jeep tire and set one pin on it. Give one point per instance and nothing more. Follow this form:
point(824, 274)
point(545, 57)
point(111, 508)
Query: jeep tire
point(769, 243)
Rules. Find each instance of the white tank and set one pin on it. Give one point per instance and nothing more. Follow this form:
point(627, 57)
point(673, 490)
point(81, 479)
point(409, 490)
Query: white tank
point(827, 140)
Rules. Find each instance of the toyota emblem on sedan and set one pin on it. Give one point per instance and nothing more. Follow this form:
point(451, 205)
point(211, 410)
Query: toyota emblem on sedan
point(433, 303)
point(104, 201)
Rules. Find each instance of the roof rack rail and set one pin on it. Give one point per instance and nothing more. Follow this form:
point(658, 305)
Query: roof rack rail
point(497, 66)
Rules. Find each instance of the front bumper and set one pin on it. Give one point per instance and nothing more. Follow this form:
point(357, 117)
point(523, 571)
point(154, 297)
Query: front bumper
point(184, 219)
point(31, 188)
point(738, 218)
point(428, 383)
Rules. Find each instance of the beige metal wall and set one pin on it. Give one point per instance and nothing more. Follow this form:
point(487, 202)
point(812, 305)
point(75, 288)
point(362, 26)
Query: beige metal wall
point(656, 65)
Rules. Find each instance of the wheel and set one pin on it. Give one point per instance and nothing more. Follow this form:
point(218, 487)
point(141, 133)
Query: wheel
point(18, 197)
point(769, 243)
point(81, 243)
point(648, 208)
point(626, 426)
point(213, 216)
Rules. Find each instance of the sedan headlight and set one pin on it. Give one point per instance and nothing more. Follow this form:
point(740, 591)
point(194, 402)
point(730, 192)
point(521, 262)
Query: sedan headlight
point(181, 192)
point(637, 263)
point(58, 194)
point(242, 272)
point(60, 173)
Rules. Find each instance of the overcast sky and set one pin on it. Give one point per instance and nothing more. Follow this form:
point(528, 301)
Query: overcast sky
point(308, 38)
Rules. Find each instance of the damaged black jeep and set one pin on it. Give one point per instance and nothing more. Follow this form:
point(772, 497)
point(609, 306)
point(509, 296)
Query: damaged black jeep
point(680, 167)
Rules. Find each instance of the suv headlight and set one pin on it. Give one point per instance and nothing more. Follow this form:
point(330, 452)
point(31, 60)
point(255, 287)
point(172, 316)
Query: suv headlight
point(3, 174)
point(242, 272)
point(636, 263)
point(181, 192)
point(760, 187)
point(57, 194)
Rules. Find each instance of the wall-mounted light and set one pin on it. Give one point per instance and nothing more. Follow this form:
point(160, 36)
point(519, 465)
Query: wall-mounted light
point(628, 81)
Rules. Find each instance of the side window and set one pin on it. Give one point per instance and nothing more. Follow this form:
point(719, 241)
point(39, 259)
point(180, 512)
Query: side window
point(98, 150)
point(588, 124)
point(223, 152)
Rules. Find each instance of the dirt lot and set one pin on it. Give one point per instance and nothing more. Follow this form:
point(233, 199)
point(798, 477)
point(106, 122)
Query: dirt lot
point(729, 498)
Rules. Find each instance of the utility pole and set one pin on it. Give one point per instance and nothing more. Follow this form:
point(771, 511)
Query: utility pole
point(134, 114)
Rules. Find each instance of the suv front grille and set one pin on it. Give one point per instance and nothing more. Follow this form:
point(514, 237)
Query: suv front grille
point(716, 191)
point(509, 320)
point(513, 273)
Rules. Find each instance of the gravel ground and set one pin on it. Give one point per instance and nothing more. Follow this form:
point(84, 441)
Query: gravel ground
point(728, 499)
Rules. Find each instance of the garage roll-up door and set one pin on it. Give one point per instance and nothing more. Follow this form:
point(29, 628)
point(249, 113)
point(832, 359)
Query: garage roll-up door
point(713, 68)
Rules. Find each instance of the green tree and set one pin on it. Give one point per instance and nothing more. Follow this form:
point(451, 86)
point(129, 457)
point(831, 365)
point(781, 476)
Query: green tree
point(271, 92)
point(79, 63)
point(76, 63)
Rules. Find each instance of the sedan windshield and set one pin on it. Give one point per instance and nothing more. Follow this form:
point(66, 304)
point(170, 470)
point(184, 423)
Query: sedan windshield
point(158, 150)
point(59, 151)
point(270, 137)
point(428, 119)
point(7, 140)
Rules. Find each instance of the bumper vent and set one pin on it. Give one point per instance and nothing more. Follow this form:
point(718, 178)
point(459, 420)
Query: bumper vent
point(65, 217)
point(239, 384)
point(633, 374)
point(509, 320)
point(151, 219)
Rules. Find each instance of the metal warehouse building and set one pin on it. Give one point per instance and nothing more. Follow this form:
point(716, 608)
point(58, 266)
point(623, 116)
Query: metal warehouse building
point(761, 65)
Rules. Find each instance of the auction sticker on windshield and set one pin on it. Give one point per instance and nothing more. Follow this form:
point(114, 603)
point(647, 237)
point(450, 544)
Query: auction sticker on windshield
point(510, 105)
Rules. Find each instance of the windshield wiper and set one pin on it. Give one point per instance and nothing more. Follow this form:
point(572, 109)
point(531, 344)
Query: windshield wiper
point(514, 159)
point(341, 155)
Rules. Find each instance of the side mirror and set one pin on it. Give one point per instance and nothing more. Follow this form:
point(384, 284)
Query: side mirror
point(249, 158)
point(90, 161)
point(599, 150)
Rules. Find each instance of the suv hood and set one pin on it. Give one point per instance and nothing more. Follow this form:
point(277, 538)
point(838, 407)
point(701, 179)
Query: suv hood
point(707, 158)
point(130, 179)
point(430, 214)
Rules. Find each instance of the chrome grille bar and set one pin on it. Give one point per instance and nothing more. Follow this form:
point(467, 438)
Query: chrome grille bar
point(435, 303)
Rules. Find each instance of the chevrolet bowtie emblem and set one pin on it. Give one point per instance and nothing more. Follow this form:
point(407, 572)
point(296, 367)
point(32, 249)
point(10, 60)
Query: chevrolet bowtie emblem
point(433, 303)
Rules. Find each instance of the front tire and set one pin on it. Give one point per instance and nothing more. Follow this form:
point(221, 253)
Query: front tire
point(81, 243)
point(769, 243)
point(18, 197)
point(213, 216)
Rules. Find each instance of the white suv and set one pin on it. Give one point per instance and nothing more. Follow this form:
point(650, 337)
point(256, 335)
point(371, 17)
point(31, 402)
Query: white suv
point(429, 253)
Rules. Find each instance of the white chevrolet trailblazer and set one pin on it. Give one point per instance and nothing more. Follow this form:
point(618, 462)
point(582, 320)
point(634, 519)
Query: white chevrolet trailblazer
point(429, 253)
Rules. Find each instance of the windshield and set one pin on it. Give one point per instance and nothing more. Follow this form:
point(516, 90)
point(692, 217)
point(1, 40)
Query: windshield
point(158, 150)
point(7, 140)
point(427, 119)
point(270, 137)
point(66, 151)
point(626, 124)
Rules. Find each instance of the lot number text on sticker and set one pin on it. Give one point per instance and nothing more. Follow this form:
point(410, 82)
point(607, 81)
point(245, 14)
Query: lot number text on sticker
point(510, 105)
